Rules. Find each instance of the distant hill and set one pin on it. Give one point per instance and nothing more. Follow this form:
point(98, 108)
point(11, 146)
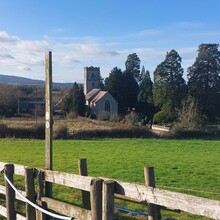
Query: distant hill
point(17, 80)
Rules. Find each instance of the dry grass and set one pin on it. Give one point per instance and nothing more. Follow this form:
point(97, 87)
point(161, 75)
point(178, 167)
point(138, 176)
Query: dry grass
point(22, 122)
point(79, 127)
point(82, 123)
point(86, 128)
point(76, 124)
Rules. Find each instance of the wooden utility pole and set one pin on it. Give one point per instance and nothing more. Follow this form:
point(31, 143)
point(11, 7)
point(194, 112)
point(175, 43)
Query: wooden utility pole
point(35, 110)
point(48, 119)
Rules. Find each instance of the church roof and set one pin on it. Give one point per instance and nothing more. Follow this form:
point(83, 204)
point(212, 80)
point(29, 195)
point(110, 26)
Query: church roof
point(90, 95)
point(99, 96)
point(95, 95)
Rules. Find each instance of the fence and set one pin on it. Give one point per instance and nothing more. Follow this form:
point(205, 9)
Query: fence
point(97, 195)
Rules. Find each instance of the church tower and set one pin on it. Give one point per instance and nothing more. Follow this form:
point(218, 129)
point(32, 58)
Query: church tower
point(91, 78)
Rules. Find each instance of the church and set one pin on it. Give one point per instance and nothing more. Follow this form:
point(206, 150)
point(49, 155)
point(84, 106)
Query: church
point(100, 104)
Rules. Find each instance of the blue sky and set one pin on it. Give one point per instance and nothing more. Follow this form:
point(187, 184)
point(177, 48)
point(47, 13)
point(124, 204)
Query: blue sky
point(101, 33)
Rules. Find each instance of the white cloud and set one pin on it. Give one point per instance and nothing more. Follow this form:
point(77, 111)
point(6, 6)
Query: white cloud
point(70, 55)
point(76, 52)
point(187, 53)
point(5, 56)
point(26, 68)
point(189, 24)
point(144, 33)
point(6, 38)
point(21, 56)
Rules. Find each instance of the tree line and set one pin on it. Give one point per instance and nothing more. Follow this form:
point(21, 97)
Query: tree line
point(193, 102)
point(196, 101)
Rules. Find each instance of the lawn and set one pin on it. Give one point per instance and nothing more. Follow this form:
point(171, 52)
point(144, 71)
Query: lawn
point(189, 166)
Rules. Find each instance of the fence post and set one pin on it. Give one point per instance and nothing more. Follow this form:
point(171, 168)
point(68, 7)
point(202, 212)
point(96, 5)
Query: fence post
point(153, 210)
point(10, 193)
point(82, 165)
point(30, 193)
point(96, 199)
point(40, 194)
point(108, 190)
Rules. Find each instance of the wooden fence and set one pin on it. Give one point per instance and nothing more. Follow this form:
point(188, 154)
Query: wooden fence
point(97, 194)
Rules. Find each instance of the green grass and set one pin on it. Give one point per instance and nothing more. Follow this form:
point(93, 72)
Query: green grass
point(189, 166)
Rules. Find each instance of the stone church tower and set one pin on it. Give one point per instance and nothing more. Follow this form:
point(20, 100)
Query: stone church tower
point(91, 78)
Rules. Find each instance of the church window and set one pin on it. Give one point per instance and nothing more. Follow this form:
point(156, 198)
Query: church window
point(107, 106)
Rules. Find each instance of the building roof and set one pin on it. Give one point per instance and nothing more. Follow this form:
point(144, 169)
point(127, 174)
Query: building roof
point(95, 95)
point(98, 96)
point(90, 95)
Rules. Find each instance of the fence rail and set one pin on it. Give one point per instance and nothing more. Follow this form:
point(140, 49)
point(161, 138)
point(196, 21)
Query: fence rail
point(101, 194)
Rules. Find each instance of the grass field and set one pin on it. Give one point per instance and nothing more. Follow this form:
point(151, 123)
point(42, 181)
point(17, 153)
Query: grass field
point(189, 166)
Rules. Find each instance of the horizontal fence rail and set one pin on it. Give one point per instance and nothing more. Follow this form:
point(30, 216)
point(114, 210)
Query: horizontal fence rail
point(173, 200)
point(67, 179)
point(102, 192)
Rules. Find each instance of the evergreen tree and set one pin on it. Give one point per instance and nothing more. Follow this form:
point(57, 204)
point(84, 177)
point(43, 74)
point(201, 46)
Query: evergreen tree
point(130, 91)
point(129, 85)
point(74, 102)
point(101, 83)
point(204, 80)
point(132, 66)
point(169, 86)
point(142, 73)
point(81, 102)
point(145, 93)
point(123, 85)
point(113, 84)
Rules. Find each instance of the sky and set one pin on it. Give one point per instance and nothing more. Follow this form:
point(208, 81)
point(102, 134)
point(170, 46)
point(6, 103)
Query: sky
point(101, 33)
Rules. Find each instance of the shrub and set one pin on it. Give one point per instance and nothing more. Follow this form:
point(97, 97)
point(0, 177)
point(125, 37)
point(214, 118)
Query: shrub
point(39, 131)
point(131, 118)
point(190, 117)
point(61, 132)
point(3, 130)
point(130, 132)
point(115, 118)
point(72, 115)
point(194, 133)
point(36, 132)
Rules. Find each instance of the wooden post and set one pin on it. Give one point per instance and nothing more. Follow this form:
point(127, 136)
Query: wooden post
point(153, 210)
point(10, 193)
point(96, 199)
point(40, 215)
point(48, 119)
point(108, 190)
point(35, 110)
point(30, 193)
point(82, 165)
point(40, 194)
point(40, 184)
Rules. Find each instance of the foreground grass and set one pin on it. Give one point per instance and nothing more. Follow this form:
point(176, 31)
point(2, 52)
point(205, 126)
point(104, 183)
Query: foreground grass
point(189, 166)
